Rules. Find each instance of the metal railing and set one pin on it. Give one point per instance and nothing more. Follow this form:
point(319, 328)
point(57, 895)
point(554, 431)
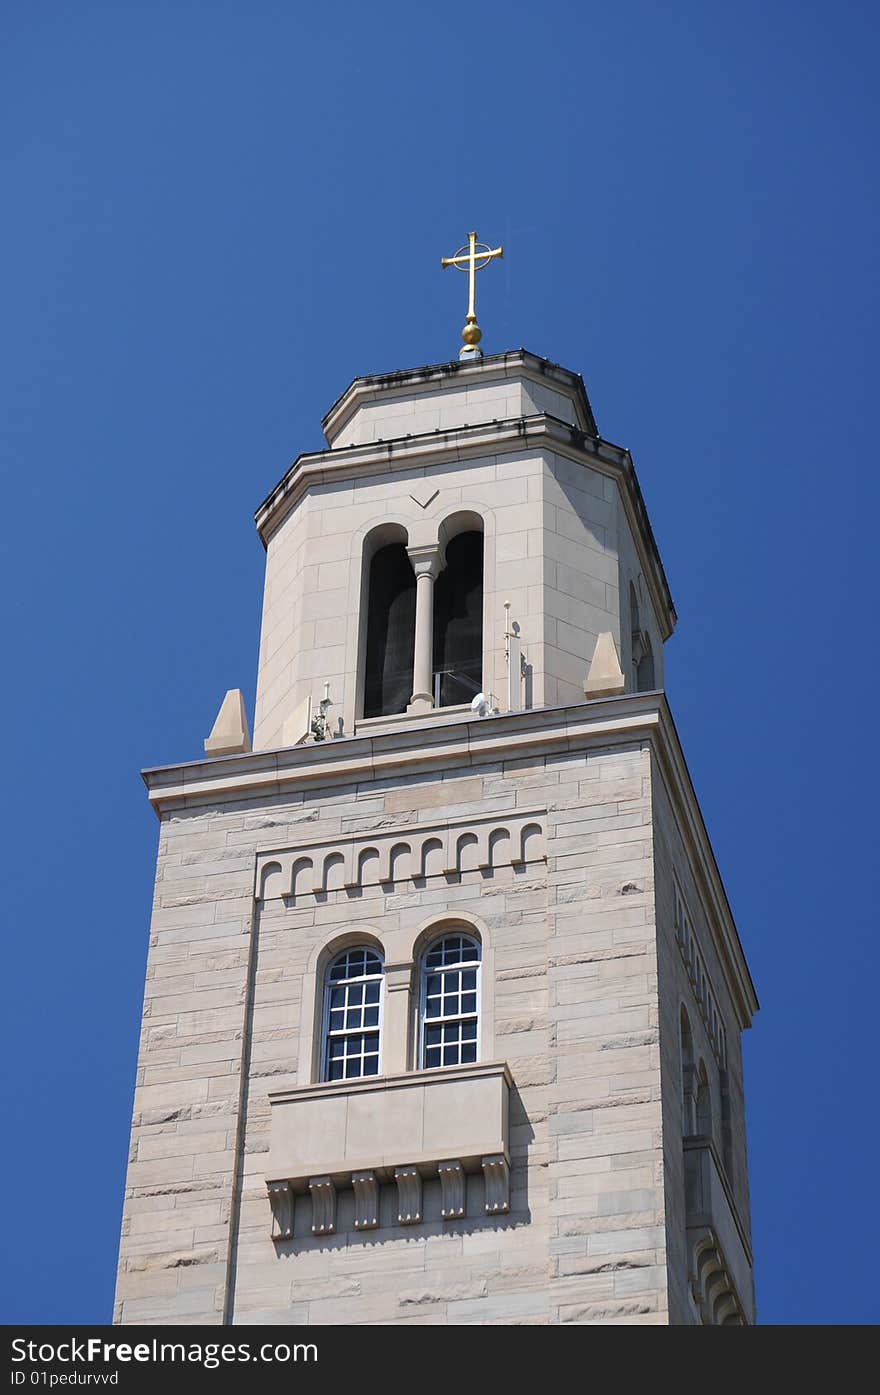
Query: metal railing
point(460, 675)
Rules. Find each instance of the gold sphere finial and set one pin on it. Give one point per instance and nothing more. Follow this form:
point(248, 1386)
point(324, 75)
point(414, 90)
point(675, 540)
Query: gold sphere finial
point(472, 334)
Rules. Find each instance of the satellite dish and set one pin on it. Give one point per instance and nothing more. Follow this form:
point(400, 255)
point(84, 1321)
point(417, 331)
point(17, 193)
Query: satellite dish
point(481, 705)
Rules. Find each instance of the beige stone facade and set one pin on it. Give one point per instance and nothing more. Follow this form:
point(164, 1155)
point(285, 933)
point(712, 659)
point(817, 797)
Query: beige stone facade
point(580, 1169)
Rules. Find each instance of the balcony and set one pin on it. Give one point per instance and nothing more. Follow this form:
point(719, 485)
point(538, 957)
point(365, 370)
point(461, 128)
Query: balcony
point(398, 1128)
point(719, 1254)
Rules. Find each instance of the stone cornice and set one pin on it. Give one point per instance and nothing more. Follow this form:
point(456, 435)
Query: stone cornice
point(372, 1084)
point(420, 745)
point(464, 442)
point(473, 742)
point(517, 363)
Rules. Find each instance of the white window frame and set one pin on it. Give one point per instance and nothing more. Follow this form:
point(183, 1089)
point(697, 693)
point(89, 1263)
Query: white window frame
point(326, 1037)
point(423, 1022)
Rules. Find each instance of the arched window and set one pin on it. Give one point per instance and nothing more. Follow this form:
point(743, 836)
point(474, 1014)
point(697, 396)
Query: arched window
point(688, 1079)
point(645, 666)
point(726, 1124)
point(458, 622)
point(353, 1014)
point(391, 618)
point(634, 617)
point(704, 1102)
point(449, 1017)
point(642, 652)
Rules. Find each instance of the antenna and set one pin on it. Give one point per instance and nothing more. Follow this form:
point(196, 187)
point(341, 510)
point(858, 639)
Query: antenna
point(513, 655)
point(319, 724)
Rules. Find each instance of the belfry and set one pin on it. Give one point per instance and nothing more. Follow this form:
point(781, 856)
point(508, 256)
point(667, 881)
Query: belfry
point(444, 997)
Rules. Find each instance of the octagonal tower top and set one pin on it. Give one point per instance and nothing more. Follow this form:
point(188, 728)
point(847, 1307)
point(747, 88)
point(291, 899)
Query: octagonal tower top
point(467, 537)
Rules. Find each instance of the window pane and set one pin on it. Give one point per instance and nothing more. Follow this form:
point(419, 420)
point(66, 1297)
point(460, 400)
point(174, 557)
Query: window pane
point(354, 978)
point(450, 995)
point(355, 963)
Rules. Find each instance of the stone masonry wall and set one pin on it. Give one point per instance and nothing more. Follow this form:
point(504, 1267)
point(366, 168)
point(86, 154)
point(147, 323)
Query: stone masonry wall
point(175, 1229)
point(574, 1000)
point(671, 861)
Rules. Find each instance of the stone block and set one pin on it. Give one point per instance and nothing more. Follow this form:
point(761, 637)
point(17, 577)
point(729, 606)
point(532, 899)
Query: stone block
point(229, 734)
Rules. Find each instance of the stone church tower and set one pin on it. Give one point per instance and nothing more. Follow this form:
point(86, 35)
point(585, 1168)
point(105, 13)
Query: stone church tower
point(444, 997)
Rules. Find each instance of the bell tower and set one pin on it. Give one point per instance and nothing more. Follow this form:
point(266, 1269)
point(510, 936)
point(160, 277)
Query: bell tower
point(444, 997)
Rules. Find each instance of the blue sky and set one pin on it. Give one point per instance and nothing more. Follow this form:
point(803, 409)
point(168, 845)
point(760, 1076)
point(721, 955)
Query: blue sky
point(218, 214)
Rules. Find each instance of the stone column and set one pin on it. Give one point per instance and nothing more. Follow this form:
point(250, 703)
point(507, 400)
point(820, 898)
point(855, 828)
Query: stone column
point(426, 565)
point(396, 1015)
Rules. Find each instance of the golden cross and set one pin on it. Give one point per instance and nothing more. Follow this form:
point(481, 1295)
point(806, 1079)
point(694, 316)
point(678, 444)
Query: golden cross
point(472, 259)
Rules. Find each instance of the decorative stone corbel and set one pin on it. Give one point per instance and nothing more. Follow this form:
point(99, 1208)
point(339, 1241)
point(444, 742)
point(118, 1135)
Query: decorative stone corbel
point(229, 734)
point(605, 677)
point(717, 1287)
point(282, 1202)
point(497, 1177)
point(409, 1195)
point(728, 1314)
point(366, 1200)
point(323, 1195)
point(451, 1190)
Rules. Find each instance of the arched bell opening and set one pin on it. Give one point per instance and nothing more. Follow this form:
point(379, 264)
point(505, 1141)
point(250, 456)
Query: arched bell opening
point(458, 622)
point(391, 610)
